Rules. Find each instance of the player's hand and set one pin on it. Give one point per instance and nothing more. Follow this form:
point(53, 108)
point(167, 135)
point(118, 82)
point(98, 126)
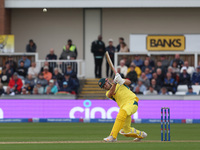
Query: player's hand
point(118, 79)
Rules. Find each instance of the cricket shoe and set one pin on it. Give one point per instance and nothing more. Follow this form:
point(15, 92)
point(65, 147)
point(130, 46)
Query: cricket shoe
point(144, 135)
point(110, 139)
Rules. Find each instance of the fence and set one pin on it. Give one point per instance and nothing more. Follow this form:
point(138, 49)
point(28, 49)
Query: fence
point(77, 65)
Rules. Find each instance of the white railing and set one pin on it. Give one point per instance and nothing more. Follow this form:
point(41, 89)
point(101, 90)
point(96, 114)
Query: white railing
point(77, 65)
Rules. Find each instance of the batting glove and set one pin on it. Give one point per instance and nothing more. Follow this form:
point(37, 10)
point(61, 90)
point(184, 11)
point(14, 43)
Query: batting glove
point(118, 79)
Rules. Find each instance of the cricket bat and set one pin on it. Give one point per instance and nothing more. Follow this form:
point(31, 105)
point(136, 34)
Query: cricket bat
point(110, 63)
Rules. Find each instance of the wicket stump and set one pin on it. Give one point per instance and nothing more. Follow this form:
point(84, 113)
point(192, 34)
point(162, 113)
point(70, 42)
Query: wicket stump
point(166, 118)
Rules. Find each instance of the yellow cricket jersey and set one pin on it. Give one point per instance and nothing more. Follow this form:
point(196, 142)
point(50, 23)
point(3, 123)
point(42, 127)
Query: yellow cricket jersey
point(123, 95)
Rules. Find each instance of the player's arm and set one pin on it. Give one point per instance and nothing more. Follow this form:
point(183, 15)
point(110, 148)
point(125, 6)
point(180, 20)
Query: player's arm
point(112, 90)
point(127, 81)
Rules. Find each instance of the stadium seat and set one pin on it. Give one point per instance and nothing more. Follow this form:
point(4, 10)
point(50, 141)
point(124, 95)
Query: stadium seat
point(196, 88)
point(5, 87)
point(182, 88)
point(180, 93)
point(170, 93)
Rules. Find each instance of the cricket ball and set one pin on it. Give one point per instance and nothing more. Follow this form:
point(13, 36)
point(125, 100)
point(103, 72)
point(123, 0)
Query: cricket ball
point(44, 10)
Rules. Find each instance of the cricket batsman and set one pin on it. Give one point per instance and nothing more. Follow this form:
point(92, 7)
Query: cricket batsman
point(128, 104)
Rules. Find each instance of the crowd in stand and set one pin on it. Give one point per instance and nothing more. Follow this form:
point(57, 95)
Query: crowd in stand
point(147, 76)
point(25, 77)
point(162, 77)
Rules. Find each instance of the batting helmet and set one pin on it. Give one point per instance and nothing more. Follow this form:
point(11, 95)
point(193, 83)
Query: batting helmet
point(101, 82)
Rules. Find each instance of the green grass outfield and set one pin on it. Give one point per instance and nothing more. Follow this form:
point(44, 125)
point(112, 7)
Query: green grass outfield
point(78, 136)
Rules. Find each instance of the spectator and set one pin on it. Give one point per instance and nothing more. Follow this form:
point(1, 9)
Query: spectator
point(145, 80)
point(73, 76)
point(24, 91)
point(132, 75)
point(67, 54)
point(98, 49)
point(190, 91)
point(137, 90)
point(175, 68)
point(196, 76)
point(51, 55)
point(65, 88)
point(31, 47)
point(58, 76)
point(121, 40)
point(190, 69)
point(148, 74)
point(184, 77)
point(72, 48)
point(12, 63)
point(151, 91)
point(51, 88)
point(35, 91)
point(76, 84)
point(159, 65)
point(141, 86)
point(33, 70)
point(137, 69)
point(123, 47)
point(15, 85)
point(119, 71)
point(170, 83)
point(27, 62)
point(164, 61)
point(46, 63)
point(160, 77)
point(40, 87)
point(151, 62)
point(163, 91)
point(69, 80)
point(155, 85)
point(4, 77)
point(70, 71)
point(41, 80)
point(138, 62)
point(9, 71)
point(178, 61)
point(56, 83)
point(29, 83)
point(111, 51)
point(2, 91)
point(174, 74)
point(146, 65)
point(46, 73)
point(154, 76)
point(123, 67)
point(22, 71)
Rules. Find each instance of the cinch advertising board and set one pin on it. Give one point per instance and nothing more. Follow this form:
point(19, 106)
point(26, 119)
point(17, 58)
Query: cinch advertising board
point(91, 109)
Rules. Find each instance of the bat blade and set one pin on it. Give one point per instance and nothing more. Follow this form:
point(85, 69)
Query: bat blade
point(110, 63)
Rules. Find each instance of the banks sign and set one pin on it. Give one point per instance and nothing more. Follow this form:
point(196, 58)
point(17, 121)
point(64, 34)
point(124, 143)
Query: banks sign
point(165, 43)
